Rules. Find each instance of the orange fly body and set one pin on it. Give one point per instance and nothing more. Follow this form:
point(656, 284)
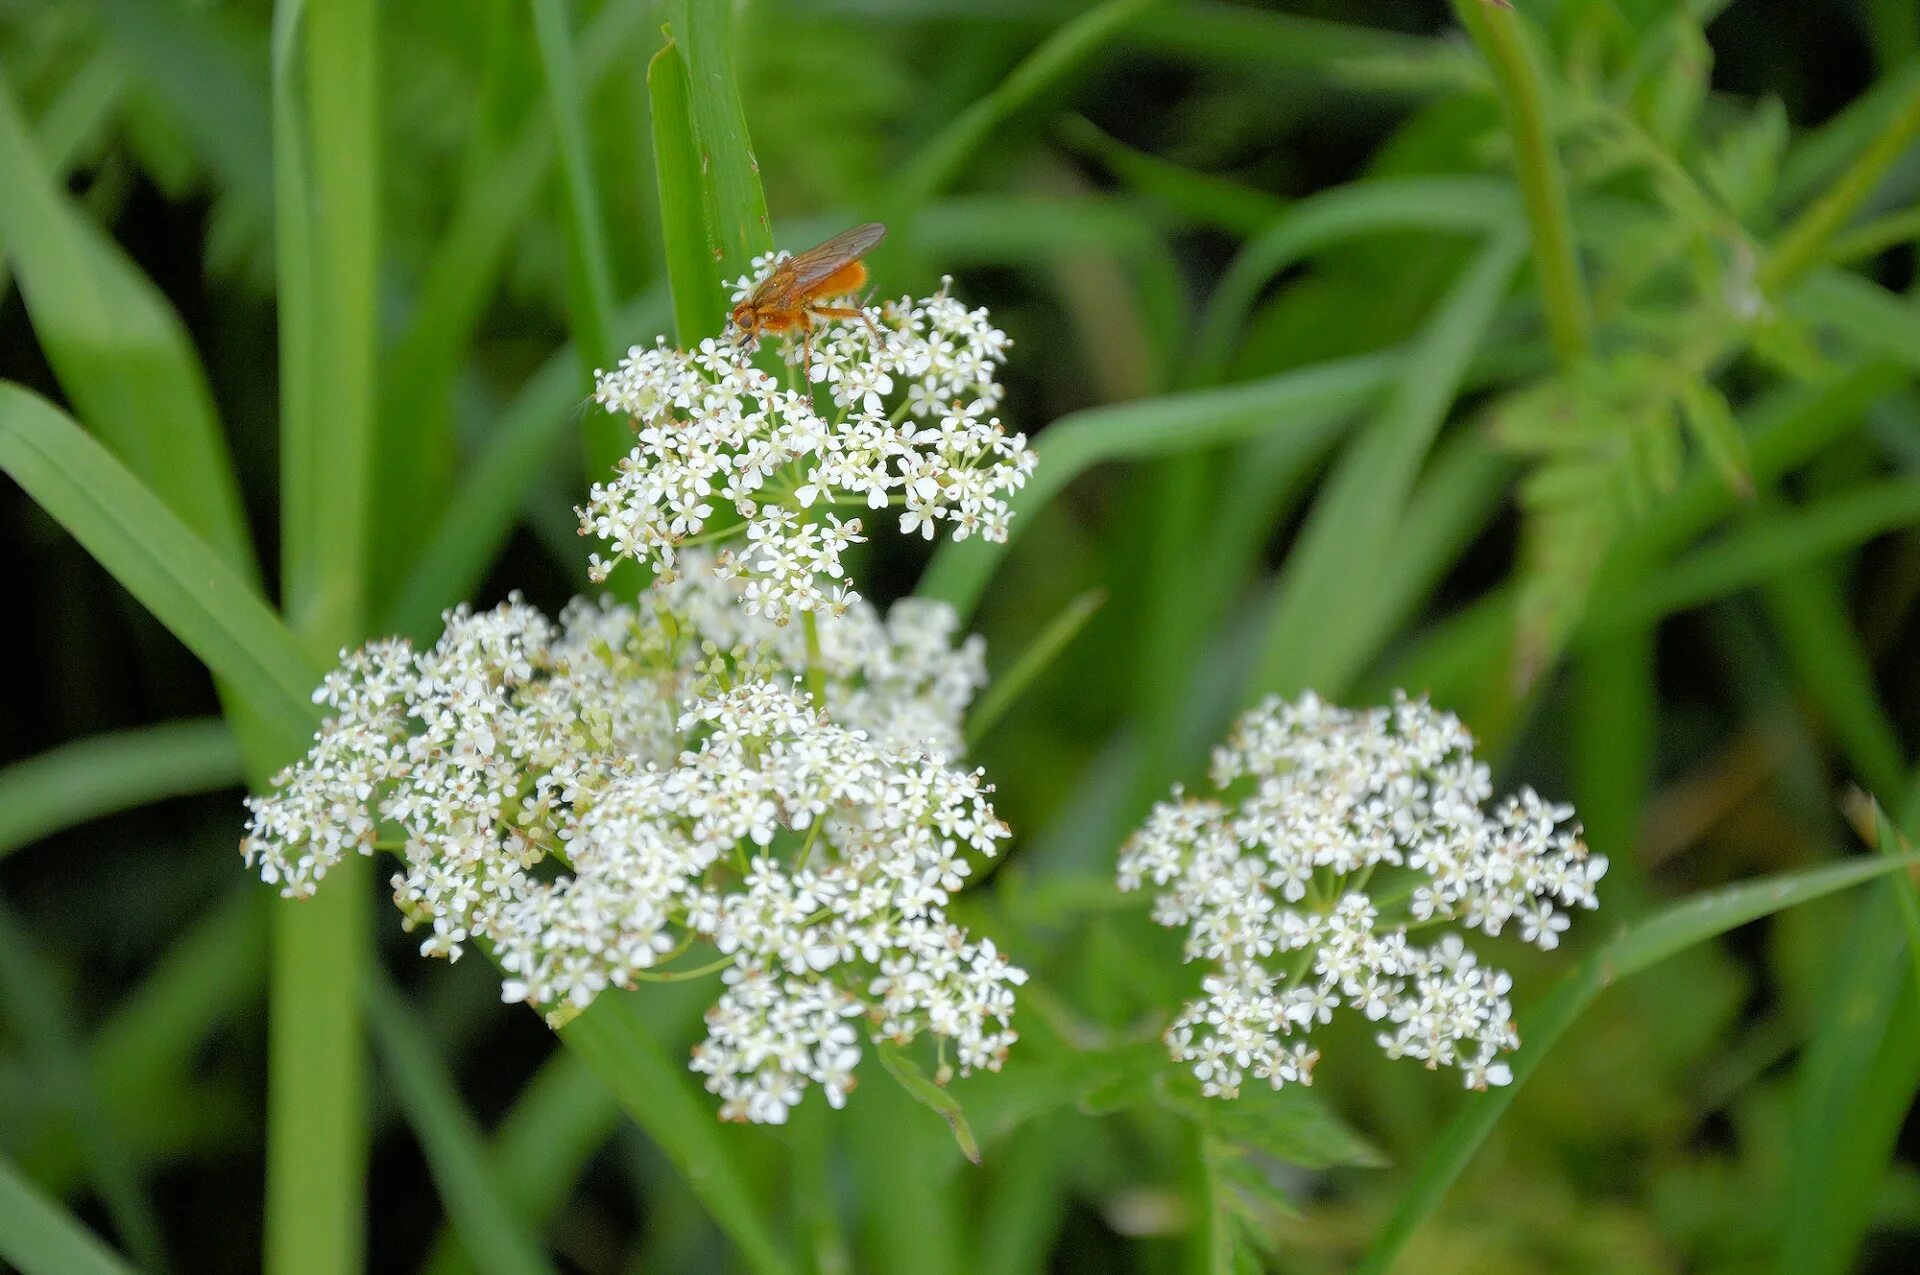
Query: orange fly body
point(800, 288)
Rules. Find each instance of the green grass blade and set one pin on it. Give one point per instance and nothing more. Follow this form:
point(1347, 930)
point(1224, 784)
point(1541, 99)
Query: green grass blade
point(1877, 321)
point(110, 773)
point(491, 490)
point(1800, 248)
point(1671, 930)
point(327, 242)
point(1466, 205)
point(940, 161)
point(739, 230)
point(1201, 198)
point(1849, 1103)
point(476, 1202)
point(1040, 654)
point(40, 1238)
point(1156, 427)
point(1346, 537)
point(658, 1093)
point(562, 1116)
point(120, 351)
point(1756, 552)
point(155, 1032)
point(590, 278)
point(171, 572)
point(699, 307)
point(39, 1014)
point(1250, 39)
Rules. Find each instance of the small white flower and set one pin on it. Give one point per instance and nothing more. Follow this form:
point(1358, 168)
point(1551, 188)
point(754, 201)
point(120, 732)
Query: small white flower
point(712, 432)
point(1272, 889)
point(591, 797)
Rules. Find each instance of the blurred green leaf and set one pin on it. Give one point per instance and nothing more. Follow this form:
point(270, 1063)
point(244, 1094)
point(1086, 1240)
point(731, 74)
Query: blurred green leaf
point(174, 575)
point(475, 1199)
point(42, 1021)
point(110, 773)
point(119, 349)
point(1346, 538)
point(40, 1238)
point(658, 1094)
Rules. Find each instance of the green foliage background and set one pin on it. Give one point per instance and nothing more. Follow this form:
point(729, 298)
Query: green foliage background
point(1560, 362)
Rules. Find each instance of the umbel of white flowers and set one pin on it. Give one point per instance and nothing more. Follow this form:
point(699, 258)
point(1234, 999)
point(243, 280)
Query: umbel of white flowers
point(894, 413)
point(1336, 835)
point(592, 800)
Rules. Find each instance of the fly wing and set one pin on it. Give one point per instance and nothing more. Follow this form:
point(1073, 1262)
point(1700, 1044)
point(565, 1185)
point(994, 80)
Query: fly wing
point(815, 264)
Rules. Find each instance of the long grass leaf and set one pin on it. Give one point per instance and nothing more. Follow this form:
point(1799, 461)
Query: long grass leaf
point(1348, 534)
point(41, 1238)
point(699, 308)
point(1046, 647)
point(327, 240)
point(590, 278)
point(476, 1202)
point(106, 774)
point(120, 351)
point(739, 229)
point(660, 1097)
point(1666, 933)
point(562, 1116)
point(1157, 427)
point(1758, 551)
point(148, 550)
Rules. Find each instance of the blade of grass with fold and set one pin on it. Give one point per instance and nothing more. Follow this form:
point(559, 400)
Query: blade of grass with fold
point(1666, 933)
point(107, 774)
point(327, 223)
point(739, 229)
point(1346, 537)
point(40, 1238)
point(699, 308)
point(477, 1204)
point(1163, 426)
point(32, 1001)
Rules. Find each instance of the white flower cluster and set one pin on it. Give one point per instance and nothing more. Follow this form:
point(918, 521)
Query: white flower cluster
point(1336, 833)
point(591, 800)
point(898, 414)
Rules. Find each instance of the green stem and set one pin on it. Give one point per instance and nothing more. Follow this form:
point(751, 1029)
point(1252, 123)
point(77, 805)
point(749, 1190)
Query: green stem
point(1543, 189)
point(816, 670)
